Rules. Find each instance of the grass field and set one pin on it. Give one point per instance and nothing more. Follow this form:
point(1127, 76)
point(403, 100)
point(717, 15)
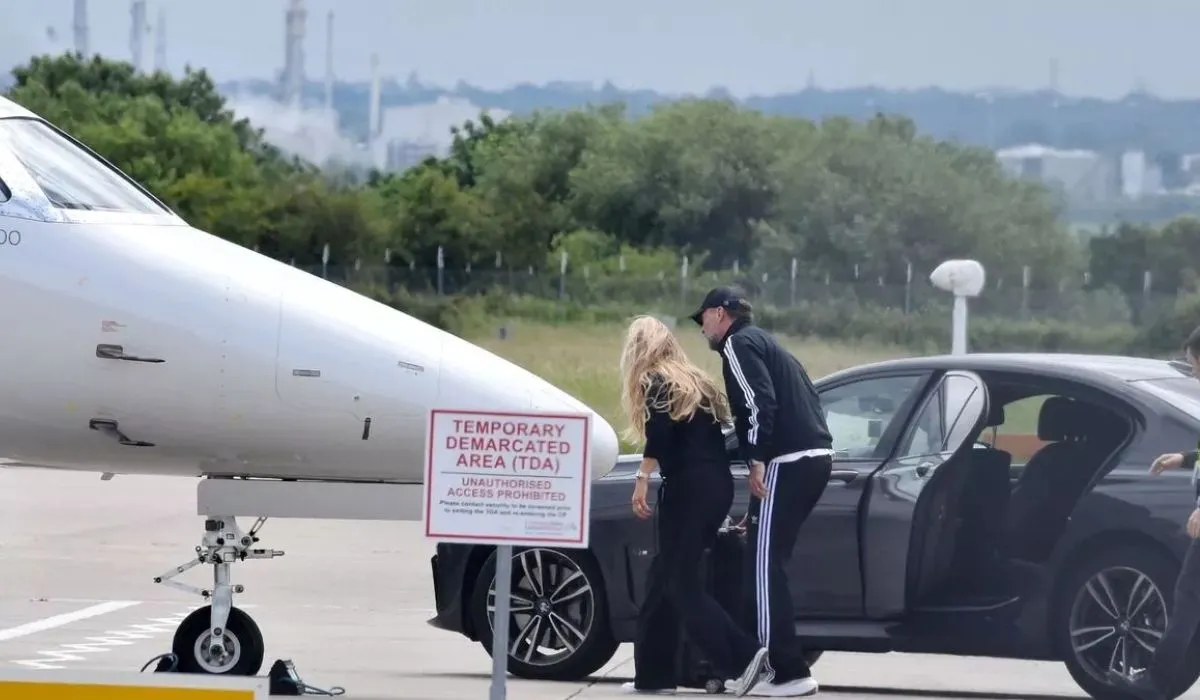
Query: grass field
point(583, 360)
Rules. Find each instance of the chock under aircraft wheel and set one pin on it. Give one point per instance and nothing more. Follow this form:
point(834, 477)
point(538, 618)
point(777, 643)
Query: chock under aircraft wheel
point(242, 642)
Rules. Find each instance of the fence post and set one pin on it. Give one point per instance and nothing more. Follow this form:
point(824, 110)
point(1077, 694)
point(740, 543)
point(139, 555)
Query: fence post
point(1026, 278)
point(441, 266)
point(683, 285)
point(562, 276)
point(908, 288)
point(1147, 285)
point(325, 261)
point(735, 267)
point(621, 263)
point(792, 294)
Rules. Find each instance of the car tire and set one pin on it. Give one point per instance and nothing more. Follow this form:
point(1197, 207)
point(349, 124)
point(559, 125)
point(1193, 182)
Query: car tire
point(578, 618)
point(1089, 635)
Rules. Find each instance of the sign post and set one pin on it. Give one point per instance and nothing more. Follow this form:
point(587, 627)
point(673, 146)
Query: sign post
point(507, 479)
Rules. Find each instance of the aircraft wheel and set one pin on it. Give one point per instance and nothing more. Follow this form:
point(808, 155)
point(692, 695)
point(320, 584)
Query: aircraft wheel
point(243, 642)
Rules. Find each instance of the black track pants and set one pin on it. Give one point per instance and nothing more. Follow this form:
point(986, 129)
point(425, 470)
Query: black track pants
point(690, 510)
point(793, 490)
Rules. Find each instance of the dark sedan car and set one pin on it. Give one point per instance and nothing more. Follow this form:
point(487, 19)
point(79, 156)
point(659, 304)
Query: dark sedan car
point(980, 504)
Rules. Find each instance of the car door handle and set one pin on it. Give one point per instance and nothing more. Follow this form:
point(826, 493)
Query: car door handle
point(924, 468)
point(843, 475)
point(117, 352)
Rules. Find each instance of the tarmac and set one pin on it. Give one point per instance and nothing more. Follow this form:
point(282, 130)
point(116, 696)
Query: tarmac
point(348, 603)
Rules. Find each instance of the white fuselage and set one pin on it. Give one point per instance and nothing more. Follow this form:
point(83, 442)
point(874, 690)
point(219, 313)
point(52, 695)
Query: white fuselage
point(267, 371)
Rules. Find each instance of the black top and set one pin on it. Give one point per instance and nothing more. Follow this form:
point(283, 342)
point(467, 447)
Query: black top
point(681, 446)
point(776, 409)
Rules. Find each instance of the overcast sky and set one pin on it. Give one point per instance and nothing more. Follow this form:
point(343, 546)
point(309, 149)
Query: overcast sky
point(1103, 47)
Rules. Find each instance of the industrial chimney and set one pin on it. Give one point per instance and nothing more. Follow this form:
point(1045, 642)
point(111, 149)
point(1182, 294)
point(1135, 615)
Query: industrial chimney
point(137, 32)
point(329, 61)
point(81, 28)
point(160, 42)
point(373, 129)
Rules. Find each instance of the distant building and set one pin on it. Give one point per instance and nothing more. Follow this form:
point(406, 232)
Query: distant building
point(312, 134)
point(402, 155)
point(410, 133)
point(1081, 175)
point(1139, 178)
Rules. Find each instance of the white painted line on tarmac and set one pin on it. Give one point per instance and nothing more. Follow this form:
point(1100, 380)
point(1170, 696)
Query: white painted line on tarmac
point(50, 623)
point(50, 659)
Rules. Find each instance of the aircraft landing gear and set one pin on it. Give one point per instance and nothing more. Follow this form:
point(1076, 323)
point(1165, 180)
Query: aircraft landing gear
point(219, 638)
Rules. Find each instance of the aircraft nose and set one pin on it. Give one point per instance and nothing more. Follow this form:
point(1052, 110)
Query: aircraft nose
point(472, 377)
point(602, 443)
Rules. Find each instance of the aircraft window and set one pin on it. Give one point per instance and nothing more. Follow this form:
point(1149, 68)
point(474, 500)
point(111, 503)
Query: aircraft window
point(70, 176)
point(860, 412)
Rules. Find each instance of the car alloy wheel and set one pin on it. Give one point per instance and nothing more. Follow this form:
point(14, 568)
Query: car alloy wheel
point(1117, 618)
point(552, 607)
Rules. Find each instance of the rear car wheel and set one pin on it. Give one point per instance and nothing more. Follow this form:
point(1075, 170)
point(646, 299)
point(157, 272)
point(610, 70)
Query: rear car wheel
point(1110, 612)
point(558, 621)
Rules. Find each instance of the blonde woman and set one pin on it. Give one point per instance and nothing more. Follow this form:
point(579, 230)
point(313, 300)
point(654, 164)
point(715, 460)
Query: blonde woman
point(677, 411)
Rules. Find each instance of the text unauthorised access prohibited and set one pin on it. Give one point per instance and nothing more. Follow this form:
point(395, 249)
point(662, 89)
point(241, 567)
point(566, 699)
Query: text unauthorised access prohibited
point(508, 478)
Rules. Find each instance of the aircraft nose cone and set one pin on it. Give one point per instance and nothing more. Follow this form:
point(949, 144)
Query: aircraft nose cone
point(602, 443)
point(474, 378)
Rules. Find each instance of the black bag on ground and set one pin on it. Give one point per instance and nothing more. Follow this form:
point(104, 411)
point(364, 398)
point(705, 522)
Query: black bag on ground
point(721, 566)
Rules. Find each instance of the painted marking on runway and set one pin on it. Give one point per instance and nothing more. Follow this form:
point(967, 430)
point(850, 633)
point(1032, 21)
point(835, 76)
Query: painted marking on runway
point(50, 623)
point(127, 636)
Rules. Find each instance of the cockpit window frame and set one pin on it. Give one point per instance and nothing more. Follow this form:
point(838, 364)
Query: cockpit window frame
point(28, 201)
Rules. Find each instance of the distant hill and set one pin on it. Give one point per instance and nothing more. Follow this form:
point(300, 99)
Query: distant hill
point(997, 119)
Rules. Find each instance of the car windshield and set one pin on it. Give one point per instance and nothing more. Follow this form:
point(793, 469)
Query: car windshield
point(1181, 392)
point(71, 177)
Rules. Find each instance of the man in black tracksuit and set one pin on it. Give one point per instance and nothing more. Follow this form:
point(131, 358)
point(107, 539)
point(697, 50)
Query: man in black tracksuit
point(783, 437)
point(1162, 678)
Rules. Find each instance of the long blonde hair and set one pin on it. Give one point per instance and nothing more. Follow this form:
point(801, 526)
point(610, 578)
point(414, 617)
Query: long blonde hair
point(651, 348)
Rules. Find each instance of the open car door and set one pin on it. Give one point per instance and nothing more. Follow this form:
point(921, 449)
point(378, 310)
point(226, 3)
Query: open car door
point(908, 509)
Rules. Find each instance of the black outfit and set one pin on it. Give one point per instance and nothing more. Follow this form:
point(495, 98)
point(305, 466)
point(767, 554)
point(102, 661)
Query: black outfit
point(1173, 651)
point(693, 499)
point(779, 422)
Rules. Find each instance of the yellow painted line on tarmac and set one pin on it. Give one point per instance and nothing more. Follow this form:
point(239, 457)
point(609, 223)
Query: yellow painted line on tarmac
point(73, 685)
point(79, 691)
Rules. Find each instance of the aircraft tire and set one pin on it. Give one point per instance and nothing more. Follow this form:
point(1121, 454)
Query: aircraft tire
point(242, 637)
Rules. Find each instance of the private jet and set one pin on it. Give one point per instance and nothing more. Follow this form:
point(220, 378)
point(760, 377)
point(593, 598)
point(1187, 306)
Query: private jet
point(137, 344)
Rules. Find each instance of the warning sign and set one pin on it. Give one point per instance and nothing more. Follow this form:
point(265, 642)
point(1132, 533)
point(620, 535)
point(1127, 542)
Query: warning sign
point(508, 478)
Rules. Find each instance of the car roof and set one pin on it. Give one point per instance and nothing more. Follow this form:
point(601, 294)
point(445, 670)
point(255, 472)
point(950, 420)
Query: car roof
point(1092, 368)
point(8, 108)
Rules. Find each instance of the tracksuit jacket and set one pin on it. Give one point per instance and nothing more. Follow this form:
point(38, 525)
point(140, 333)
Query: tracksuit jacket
point(777, 409)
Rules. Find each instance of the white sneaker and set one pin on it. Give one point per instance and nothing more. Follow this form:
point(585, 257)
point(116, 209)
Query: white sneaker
point(740, 685)
point(630, 689)
point(800, 687)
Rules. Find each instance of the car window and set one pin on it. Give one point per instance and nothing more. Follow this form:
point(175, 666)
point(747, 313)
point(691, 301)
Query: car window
point(1181, 392)
point(860, 412)
point(946, 419)
point(1018, 434)
point(71, 177)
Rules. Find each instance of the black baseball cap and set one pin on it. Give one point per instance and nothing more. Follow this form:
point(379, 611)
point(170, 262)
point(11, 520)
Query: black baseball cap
point(719, 297)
